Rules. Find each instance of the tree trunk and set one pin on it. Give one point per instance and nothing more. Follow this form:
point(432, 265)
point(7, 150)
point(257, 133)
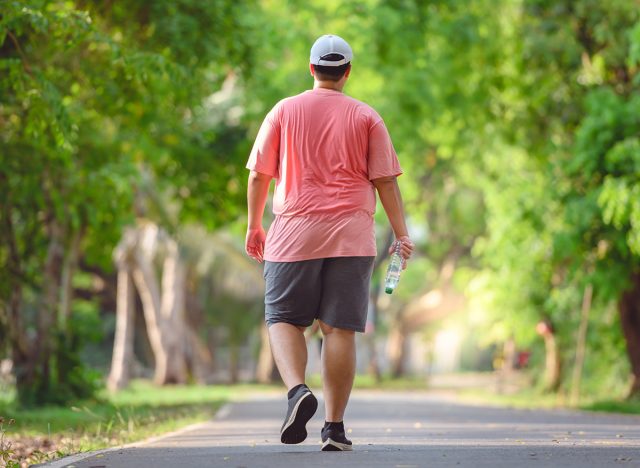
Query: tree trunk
point(66, 283)
point(21, 351)
point(123, 341)
point(172, 315)
point(581, 344)
point(264, 369)
point(629, 309)
point(397, 351)
point(234, 363)
point(163, 309)
point(198, 357)
point(552, 362)
point(373, 366)
point(509, 351)
point(505, 373)
point(47, 315)
point(147, 286)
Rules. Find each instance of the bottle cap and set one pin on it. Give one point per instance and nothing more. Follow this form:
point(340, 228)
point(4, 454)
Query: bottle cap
point(388, 290)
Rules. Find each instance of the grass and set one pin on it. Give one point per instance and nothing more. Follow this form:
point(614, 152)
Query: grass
point(368, 382)
point(140, 405)
point(532, 399)
point(524, 399)
point(7, 394)
point(143, 410)
point(614, 406)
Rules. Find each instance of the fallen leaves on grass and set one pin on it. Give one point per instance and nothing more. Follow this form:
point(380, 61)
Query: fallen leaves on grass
point(26, 451)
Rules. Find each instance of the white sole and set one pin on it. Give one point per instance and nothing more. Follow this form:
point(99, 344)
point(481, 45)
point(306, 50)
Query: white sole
point(340, 446)
point(294, 413)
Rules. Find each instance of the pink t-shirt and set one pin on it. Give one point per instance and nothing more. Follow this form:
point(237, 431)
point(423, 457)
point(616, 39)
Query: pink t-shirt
point(323, 148)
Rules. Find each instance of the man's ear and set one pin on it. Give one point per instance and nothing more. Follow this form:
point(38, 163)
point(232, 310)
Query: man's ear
point(346, 74)
point(311, 70)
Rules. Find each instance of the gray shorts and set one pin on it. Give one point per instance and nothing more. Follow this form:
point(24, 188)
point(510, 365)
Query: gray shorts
point(334, 290)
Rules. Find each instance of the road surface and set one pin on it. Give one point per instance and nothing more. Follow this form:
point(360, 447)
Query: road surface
point(399, 430)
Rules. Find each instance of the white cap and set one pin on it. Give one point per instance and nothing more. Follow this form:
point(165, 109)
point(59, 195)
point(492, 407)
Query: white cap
point(330, 44)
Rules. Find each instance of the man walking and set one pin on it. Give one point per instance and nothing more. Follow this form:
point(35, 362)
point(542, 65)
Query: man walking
point(329, 153)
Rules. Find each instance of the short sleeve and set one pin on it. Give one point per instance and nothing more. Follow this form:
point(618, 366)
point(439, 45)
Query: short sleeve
point(265, 154)
point(383, 160)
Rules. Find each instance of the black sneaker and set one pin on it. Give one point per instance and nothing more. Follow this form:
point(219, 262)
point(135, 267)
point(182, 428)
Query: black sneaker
point(302, 406)
point(334, 440)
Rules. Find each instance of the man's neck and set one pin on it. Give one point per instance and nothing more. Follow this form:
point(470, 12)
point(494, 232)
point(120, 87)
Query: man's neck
point(334, 85)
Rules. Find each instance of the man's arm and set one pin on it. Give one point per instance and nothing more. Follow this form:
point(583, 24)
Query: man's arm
point(257, 192)
point(391, 199)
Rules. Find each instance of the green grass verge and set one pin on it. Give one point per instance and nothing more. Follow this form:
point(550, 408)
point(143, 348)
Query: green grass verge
point(142, 404)
point(368, 382)
point(532, 399)
point(614, 406)
point(142, 410)
point(526, 399)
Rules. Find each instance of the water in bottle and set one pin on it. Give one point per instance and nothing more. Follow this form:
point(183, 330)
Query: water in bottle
point(394, 269)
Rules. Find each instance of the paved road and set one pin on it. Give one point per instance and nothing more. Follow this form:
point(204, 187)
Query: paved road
point(394, 430)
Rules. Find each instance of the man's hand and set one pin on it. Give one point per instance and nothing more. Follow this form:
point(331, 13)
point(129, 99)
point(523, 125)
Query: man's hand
point(406, 249)
point(257, 192)
point(254, 243)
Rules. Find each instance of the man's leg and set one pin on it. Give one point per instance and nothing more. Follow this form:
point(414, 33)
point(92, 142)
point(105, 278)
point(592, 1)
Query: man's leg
point(289, 350)
point(292, 296)
point(343, 309)
point(338, 370)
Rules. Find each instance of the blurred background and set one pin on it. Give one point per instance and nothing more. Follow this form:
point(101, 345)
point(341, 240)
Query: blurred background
point(125, 127)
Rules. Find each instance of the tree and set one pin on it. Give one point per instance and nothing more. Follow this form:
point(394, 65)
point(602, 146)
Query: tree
point(90, 109)
point(575, 96)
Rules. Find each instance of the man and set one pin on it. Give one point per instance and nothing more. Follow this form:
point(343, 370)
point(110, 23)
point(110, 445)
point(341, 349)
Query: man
point(328, 153)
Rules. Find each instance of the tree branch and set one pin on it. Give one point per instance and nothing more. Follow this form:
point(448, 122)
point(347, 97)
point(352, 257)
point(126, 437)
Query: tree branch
point(25, 62)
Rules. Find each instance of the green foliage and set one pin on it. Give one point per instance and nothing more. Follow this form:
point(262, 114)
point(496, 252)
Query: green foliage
point(107, 109)
point(415, 280)
point(568, 219)
point(517, 132)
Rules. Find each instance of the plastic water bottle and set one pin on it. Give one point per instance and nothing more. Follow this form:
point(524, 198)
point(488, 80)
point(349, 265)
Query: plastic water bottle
point(393, 270)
